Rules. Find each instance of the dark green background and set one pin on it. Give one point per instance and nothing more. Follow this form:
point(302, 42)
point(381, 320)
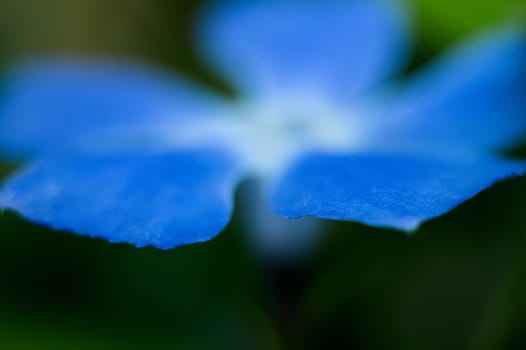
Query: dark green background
point(458, 283)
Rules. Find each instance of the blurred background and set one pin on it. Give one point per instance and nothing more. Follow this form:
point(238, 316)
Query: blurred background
point(458, 283)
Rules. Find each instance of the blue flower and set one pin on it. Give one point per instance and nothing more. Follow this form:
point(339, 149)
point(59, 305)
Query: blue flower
point(129, 154)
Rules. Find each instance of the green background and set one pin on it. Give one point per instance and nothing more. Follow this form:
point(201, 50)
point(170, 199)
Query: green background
point(458, 283)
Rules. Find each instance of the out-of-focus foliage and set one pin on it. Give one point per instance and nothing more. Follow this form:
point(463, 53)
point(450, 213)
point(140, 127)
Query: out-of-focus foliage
point(440, 23)
point(158, 31)
point(459, 283)
point(447, 19)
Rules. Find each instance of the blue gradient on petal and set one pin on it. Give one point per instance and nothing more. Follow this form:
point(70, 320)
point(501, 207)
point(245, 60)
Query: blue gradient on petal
point(48, 104)
point(471, 100)
point(271, 47)
point(383, 190)
point(159, 200)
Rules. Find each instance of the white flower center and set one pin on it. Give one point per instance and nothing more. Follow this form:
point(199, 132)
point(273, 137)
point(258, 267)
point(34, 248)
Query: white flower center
point(271, 135)
point(268, 136)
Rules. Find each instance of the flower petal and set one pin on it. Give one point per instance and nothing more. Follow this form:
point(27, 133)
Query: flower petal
point(383, 190)
point(160, 200)
point(48, 104)
point(472, 99)
point(272, 46)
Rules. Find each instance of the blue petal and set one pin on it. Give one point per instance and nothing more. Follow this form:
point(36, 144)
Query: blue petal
point(383, 190)
point(473, 99)
point(274, 46)
point(48, 104)
point(159, 200)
